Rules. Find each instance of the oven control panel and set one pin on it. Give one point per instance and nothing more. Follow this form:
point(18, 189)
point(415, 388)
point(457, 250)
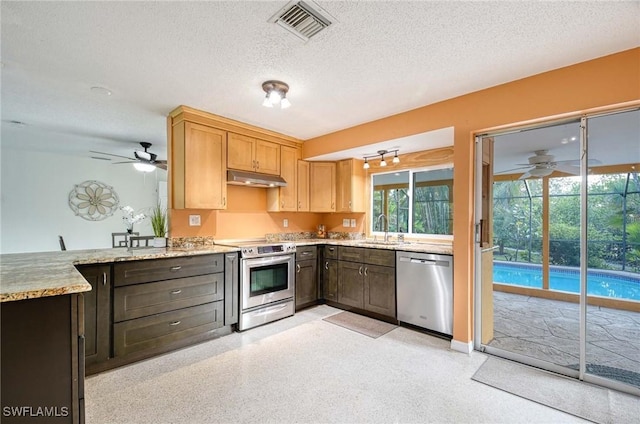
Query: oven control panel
point(268, 250)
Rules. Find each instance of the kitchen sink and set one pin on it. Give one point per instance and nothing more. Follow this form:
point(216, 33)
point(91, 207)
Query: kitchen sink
point(380, 243)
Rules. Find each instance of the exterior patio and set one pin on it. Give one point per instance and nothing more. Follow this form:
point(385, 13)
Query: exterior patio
point(549, 330)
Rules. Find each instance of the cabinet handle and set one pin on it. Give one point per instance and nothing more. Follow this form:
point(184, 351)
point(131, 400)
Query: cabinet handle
point(253, 164)
point(349, 204)
point(297, 267)
point(257, 164)
point(104, 278)
point(365, 271)
point(333, 205)
point(174, 323)
point(176, 291)
point(331, 249)
point(360, 270)
point(305, 253)
point(326, 265)
point(282, 204)
point(176, 268)
point(224, 201)
point(299, 205)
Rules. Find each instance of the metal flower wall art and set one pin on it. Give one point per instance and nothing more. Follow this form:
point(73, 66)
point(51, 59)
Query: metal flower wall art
point(93, 200)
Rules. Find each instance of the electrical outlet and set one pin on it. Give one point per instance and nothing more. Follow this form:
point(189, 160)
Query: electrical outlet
point(353, 223)
point(194, 220)
point(285, 223)
point(345, 222)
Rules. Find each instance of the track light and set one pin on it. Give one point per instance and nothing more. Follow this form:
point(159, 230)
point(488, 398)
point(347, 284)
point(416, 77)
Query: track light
point(383, 162)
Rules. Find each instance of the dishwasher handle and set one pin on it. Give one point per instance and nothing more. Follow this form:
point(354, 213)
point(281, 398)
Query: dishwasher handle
point(422, 261)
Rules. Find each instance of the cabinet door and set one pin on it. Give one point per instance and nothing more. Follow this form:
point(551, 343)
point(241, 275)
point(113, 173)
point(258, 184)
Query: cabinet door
point(303, 186)
point(351, 284)
point(322, 197)
point(350, 194)
point(306, 282)
point(330, 280)
point(380, 290)
point(97, 313)
point(205, 181)
point(231, 288)
point(240, 152)
point(285, 199)
point(267, 156)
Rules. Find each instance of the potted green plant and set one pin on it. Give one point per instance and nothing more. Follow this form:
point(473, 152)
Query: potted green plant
point(159, 225)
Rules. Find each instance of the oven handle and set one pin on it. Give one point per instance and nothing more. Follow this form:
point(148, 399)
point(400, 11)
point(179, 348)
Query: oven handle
point(270, 309)
point(268, 260)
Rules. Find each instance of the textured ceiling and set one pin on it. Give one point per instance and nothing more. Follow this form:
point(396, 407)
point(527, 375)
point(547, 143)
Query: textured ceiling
point(380, 58)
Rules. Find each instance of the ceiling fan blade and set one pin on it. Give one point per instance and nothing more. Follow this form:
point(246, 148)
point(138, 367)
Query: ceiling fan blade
point(513, 169)
point(576, 162)
point(525, 175)
point(162, 164)
point(110, 154)
point(129, 161)
point(568, 169)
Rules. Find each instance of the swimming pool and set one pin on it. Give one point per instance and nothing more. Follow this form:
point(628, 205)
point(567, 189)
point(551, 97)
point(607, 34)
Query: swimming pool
point(605, 284)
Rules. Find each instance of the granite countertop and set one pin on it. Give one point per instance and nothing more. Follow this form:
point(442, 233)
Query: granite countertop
point(41, 274)
point(441, 248)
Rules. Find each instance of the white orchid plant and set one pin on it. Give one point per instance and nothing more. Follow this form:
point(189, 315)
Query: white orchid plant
point(129, 217)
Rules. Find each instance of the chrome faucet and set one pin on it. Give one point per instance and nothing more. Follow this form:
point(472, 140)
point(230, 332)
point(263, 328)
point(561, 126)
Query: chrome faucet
point(386, 227)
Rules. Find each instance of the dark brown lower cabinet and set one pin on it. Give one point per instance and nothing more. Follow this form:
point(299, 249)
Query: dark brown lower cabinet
point(306, 276)
point(380, 289)
point(97, 313)
point(351, 284)
point(330, 280)
point(42, 367)
point(367, 280)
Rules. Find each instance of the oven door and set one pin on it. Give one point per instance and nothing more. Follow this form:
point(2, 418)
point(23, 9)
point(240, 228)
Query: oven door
point(266, 280)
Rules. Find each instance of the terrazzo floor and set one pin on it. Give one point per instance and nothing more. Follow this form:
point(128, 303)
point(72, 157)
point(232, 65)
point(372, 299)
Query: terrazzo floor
point(305, 370)
point(549, 330)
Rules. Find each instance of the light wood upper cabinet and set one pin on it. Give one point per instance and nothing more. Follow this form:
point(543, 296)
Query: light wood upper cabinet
point(198, 167)
point(285, 199)
point(251, 154)
point(303, 186)
point(322, 186)
point(350, 188)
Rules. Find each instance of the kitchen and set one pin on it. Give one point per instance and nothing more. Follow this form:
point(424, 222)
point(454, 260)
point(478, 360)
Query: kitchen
point(612, 76)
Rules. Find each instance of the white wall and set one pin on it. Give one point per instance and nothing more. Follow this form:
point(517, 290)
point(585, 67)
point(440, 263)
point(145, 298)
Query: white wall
point(34, 200)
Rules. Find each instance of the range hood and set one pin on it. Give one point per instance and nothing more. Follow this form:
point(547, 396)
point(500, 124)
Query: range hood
point(254, 179)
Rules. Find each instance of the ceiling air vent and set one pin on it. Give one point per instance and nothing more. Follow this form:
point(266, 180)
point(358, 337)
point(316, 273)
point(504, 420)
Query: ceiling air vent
point(303, 19)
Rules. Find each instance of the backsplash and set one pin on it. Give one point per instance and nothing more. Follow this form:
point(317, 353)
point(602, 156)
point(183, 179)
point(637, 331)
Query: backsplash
point(306, 235)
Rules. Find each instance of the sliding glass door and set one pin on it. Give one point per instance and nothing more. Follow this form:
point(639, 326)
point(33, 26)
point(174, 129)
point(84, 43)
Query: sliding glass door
point(558, 281)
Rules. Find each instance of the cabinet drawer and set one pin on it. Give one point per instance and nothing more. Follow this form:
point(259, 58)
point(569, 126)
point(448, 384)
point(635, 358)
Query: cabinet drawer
point(163, 329)
point(353, 254)
point(331, 252)
point(306, 252)
point(380, 257)
point(153, 298)
point(134, 272)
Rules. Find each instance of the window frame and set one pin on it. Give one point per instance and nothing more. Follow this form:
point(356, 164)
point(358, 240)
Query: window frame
point(407, 235)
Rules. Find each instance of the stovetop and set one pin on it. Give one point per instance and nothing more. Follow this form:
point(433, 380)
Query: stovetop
point(258, 248)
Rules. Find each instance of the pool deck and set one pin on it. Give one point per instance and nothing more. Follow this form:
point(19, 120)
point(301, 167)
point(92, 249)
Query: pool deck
point(550, 329)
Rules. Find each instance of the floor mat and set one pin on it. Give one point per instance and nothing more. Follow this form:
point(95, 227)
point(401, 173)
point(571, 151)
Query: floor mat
point(584, 400)
point(361, 324)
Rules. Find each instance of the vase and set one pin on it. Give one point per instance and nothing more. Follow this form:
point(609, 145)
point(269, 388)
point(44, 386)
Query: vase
point(159, 242)
point(130, 230)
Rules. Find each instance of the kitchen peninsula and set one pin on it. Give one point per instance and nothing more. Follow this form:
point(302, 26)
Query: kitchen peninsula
point(49, 321)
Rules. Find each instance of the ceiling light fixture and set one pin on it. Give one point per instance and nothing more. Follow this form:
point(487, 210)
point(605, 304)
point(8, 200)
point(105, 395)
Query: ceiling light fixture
point(383, 162)
point(276, 94)
point(144, 167)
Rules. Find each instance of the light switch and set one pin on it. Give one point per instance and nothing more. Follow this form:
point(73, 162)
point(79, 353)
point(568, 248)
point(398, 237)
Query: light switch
point(194, 220)
point(285, 223)
point(345, 222)
point(353, 223)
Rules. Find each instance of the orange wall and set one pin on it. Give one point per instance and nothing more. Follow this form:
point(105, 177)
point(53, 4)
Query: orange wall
point(599, 83)
point(245, 217)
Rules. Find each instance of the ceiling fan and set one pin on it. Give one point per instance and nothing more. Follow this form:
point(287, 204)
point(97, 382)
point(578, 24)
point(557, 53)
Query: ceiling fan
point(141, 160)
point(542, 164)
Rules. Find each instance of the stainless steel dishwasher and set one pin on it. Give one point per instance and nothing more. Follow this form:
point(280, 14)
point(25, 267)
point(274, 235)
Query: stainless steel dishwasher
point(425, 290)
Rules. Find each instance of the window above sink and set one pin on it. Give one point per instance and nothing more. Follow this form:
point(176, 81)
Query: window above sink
point(415, 202)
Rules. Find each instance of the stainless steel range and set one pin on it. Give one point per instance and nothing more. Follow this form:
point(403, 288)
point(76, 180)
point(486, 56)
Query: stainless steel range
point(267, 282)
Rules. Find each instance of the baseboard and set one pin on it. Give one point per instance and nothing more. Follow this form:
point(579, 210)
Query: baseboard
point(464, 347)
